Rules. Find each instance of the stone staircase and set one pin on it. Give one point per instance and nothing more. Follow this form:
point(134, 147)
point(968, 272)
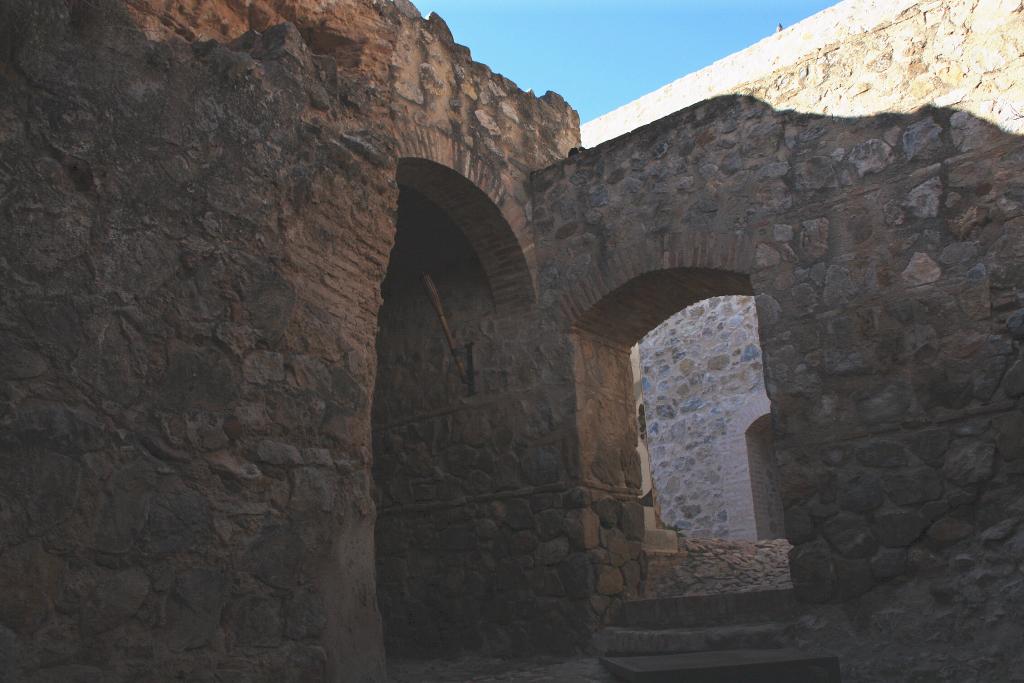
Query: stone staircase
point(733, 637)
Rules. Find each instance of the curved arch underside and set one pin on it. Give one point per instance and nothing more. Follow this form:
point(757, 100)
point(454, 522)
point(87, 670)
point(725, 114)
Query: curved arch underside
point(473, 212)
point(626, 314)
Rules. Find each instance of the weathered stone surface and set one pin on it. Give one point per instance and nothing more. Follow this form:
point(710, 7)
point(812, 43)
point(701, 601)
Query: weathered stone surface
point(275, 556)
point(860, 491)
point(888, 563)
point(849, 535)
point(1013, 382)
point(114, 600)
point(921, 270)
point(882, 454)
point(898, 528)
point(949, 530)
point(29, 585)
point(277, 453)
point(813, 574)
point(1015, 324)
point(173, 246)
point(968, 461)
point(912, 485)
point(705, 566)
point(8, 655)
point(194, 608)
point(609, 581)
point(255, 621)
point(305, 616)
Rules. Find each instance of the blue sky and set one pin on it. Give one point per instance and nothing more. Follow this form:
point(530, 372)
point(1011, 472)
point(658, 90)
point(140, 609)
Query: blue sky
point(601, 54)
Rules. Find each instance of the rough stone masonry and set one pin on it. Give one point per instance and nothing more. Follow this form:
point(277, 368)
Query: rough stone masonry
point(225, 455)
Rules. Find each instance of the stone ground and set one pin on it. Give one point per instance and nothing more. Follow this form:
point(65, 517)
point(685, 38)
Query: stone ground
point(706, 565)
point(488, 670)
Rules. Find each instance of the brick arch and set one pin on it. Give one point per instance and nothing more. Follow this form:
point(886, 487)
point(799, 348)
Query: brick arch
point(624, 315)
point(505, 246)
point(637, 290)
point(481, 221)
point(756, 411)
point(627, 299)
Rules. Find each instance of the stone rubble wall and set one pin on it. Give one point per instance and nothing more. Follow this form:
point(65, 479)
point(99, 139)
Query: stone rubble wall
point(858, 57)
point(703, 385)
point(195, 233)
point(705, 565)
point(194, 238)
point(884, 253)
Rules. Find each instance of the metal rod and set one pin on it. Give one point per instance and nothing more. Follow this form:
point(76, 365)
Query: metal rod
point(435, 299)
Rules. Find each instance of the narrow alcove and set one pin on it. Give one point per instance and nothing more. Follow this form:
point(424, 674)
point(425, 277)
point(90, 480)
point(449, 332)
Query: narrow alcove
point(419, 394)
point(439, 451)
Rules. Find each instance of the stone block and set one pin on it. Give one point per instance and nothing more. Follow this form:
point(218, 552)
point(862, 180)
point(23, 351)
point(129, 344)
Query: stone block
point(583, 528)
point(114, 600)
point(949, 530)
point(813, 574)
point(255, 621)
point(850, 536)
point(912, 486)
point(275, 556)
point(609, 580)
point(608, 511)
point(305, 616)
point(633, 521)
point(969, 461)
point(898, 528)
point(860, 491)
point(888, 563)
point(194, 608)
point(553, 552)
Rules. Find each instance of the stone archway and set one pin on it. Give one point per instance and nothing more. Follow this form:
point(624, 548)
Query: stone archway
point(602, 337)
point(609, 462)
point(482, 222)
point(433, 456)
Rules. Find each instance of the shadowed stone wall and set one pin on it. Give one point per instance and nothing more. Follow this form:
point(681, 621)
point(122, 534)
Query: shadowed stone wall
point(195, 236)
point(886, 271)
point(474, 541)
point(703, 386)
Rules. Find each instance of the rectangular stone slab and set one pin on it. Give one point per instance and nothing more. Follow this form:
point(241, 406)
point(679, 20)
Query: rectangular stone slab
point(727, 666)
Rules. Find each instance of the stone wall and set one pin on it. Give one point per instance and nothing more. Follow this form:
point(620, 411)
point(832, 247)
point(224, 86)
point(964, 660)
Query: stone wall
point(856, 58)
point(478, 544)
point(195, 235)
point(884, 254)
point(703, 385)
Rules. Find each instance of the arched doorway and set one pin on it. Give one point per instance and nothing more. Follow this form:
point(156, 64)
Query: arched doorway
point(455, 283)
point(696, 474)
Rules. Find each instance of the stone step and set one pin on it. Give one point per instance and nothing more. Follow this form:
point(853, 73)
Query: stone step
point(661, 541)
point(616, 641)
point(727, 666)
point(708, 610)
